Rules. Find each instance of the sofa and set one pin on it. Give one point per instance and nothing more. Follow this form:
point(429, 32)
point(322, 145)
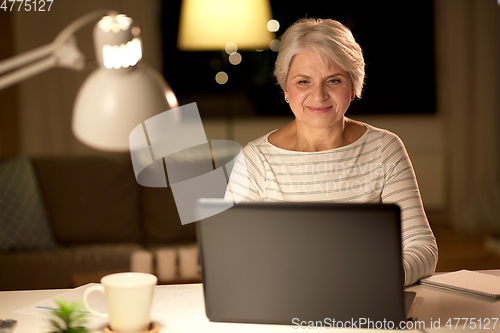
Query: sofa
point(67, 217)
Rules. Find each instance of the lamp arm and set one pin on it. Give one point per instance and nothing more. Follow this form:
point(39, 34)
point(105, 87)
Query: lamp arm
point(63, 52)
point(25, 58)
point(26, 72)
point(77, 25)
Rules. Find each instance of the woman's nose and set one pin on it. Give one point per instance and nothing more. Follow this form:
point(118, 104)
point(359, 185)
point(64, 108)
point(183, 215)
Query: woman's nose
point(319, 92)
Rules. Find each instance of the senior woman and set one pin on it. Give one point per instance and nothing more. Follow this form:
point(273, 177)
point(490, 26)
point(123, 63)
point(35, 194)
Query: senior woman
point(324, 156)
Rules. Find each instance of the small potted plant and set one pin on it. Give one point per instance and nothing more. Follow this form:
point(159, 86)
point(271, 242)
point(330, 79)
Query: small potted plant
point(68, 318)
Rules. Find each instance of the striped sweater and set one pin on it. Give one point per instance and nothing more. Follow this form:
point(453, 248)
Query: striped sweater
point(375, 168)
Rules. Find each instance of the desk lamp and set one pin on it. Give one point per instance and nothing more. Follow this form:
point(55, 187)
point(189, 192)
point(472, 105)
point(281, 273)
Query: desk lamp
point(117, 96)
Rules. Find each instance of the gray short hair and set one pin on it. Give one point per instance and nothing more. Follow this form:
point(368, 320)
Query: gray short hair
point(326, 37)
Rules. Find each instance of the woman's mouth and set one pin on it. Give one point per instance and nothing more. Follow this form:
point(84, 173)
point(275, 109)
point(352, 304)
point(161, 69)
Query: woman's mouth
point(319, 109)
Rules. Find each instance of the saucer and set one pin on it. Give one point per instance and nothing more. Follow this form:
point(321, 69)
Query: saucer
point(153, 328)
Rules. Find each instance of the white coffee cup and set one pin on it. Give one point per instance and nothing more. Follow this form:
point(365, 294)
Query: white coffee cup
point(129, 297)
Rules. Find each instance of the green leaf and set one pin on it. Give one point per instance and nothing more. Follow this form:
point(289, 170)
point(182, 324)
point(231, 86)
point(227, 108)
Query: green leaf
point(68, 318)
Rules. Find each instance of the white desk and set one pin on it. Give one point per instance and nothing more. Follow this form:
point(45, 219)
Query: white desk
point(185, 311)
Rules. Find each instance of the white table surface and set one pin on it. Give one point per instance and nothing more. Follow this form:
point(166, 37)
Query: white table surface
point(185, 311)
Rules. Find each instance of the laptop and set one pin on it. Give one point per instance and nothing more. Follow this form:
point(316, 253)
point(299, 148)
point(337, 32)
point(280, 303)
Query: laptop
point(297, 263)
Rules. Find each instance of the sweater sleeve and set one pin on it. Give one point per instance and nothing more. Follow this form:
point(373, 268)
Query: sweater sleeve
point(420, 252)
point(247, 178)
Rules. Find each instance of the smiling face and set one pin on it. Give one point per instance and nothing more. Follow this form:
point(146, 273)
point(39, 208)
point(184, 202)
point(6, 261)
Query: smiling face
point(319, 94)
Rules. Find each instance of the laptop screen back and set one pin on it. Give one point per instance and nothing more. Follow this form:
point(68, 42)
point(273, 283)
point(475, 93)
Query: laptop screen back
point(287, 262)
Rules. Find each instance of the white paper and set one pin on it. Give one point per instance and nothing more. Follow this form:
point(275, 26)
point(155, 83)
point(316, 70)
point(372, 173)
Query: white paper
point(466, 281)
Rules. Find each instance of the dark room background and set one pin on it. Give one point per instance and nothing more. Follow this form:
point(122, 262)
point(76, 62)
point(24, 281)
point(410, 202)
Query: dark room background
point(397, 41)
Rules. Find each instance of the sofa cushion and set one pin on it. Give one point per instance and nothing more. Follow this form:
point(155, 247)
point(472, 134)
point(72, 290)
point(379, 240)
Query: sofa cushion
point(162, 224)
point(90, 199)
point(23, 220)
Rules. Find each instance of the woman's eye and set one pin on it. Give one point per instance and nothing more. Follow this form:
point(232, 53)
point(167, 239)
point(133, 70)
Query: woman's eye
point(334, 81)
point(302, 82)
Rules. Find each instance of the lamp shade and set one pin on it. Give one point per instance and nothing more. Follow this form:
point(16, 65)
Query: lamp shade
point(122, 93)
point(211, 24)
point(111, 103)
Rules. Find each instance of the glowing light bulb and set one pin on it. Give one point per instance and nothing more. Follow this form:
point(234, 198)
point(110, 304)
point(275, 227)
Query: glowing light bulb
point(122, 56)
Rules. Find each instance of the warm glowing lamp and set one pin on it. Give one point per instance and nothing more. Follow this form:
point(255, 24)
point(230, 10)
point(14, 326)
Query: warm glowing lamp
point(117, 96)
point(212, 24)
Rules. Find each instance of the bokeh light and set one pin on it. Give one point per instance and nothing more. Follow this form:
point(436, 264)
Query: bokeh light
point(274, 45)
point(221, 77)
point(231, 47)
point(235, 58)
point(273, 25)
point(215, 64)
